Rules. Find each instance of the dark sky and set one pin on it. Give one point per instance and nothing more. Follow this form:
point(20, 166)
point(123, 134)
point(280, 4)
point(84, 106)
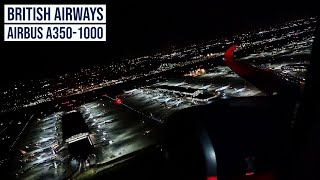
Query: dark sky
point(137, 28)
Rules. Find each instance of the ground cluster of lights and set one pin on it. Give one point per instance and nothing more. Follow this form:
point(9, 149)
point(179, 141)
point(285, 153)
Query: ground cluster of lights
point(118, 126)
point(42, 151)
point(265, 42)
point(160, 100)
point(115, 131)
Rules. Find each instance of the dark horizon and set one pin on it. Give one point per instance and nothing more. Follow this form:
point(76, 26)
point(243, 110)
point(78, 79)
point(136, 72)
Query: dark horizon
point(141, 28)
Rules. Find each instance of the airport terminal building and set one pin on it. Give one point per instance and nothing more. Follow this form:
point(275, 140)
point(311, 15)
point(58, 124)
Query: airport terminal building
point(76, 134)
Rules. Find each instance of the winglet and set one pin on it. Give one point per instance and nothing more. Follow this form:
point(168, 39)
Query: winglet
point(265, 80)
point(229, 54)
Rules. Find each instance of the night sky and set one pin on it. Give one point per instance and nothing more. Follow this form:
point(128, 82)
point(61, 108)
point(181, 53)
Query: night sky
point(136, 28)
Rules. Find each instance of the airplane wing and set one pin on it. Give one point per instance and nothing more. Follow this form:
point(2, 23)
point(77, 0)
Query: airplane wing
point(266, 80)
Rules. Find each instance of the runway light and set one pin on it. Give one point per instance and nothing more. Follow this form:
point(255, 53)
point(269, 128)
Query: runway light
point(118, 101)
